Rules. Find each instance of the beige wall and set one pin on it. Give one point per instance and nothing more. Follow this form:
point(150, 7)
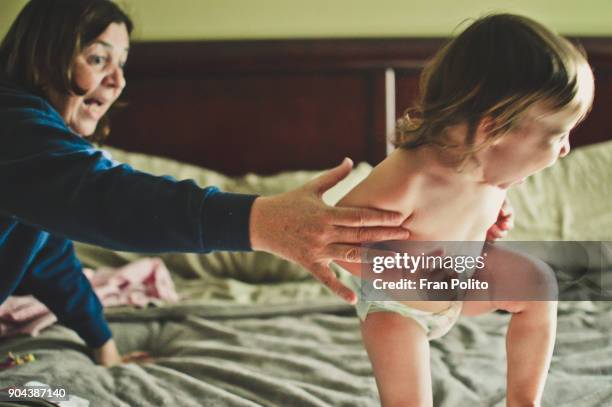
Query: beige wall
point(238, 19)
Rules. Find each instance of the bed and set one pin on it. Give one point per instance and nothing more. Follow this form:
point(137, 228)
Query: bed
point(253, 330)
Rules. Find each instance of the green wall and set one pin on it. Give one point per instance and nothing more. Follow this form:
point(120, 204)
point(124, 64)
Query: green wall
point(245, 19)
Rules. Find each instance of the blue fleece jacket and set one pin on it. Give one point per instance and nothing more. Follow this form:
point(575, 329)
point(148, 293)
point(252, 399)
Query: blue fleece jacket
point(57, 187)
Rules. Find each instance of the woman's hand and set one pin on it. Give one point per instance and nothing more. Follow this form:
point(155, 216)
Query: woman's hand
point(504, 223)
point(108, 355)
point(300, 227)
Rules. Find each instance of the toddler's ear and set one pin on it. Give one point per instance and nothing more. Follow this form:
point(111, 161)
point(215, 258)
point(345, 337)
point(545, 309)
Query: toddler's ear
point(484, 129)
point(487, 124)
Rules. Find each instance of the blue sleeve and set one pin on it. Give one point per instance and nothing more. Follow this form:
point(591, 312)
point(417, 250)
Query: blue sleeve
point(54, 180)
point(56, 279)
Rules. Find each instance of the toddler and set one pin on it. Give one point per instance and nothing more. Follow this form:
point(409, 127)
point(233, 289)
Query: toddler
point(496, 105)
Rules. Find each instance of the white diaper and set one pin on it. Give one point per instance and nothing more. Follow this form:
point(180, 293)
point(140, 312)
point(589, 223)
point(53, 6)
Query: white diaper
point(435, 324)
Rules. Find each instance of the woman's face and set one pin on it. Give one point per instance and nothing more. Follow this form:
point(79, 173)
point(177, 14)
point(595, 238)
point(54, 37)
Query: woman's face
point(98, 70)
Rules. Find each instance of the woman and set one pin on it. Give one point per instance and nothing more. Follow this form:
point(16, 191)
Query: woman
point(61, 67)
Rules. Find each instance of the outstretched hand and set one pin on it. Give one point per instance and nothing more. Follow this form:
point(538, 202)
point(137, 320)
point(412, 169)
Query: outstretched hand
point(300, 227)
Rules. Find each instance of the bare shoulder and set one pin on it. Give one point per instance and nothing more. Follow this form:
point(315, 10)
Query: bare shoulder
point(391, 185)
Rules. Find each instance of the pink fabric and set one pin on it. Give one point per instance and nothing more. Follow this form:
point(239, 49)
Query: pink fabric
point(138, 283)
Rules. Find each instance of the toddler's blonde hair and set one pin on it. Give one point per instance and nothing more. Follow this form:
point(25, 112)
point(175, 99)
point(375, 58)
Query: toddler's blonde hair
point(498, 67)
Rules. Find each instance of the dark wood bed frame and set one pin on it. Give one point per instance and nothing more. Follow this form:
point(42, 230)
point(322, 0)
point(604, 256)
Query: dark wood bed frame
point(267, 106)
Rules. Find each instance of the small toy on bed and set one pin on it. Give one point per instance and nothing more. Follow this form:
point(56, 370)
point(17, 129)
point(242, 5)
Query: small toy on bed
point(14, 360)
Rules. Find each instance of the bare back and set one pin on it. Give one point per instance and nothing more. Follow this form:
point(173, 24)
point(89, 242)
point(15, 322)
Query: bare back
point(438, 203)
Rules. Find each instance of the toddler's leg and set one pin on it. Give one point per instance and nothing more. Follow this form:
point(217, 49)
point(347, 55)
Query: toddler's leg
point(516, 283)
point(529, 346)
point(399, 351)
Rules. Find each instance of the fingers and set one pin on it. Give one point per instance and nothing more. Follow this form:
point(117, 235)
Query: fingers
point(495, 232)
point(328, 278)
point(136, 357)
point(331, 177)
point(365, 217)
point(356, 254)
point(506, 216)
point(505, 224)
point(345, 252)
point(369, 234)
point(506, 209)
point(508, 222)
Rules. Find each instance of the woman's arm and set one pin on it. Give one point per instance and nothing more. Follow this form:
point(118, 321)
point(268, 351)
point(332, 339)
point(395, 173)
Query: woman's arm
point(56, 181)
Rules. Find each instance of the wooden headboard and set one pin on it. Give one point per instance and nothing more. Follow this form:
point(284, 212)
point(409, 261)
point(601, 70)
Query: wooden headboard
point(267, 106)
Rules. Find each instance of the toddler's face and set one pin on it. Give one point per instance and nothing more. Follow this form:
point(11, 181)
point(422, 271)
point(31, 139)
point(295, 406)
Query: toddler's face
point(537, 142)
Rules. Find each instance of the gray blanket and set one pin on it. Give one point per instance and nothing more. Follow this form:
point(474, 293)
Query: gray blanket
point(303, 355)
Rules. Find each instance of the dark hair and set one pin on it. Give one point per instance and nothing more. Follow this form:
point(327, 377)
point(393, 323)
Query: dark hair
point(43, 42)
point(498, 67)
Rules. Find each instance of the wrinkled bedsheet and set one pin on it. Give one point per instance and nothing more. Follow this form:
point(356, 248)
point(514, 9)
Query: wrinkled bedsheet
point(308, 355)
